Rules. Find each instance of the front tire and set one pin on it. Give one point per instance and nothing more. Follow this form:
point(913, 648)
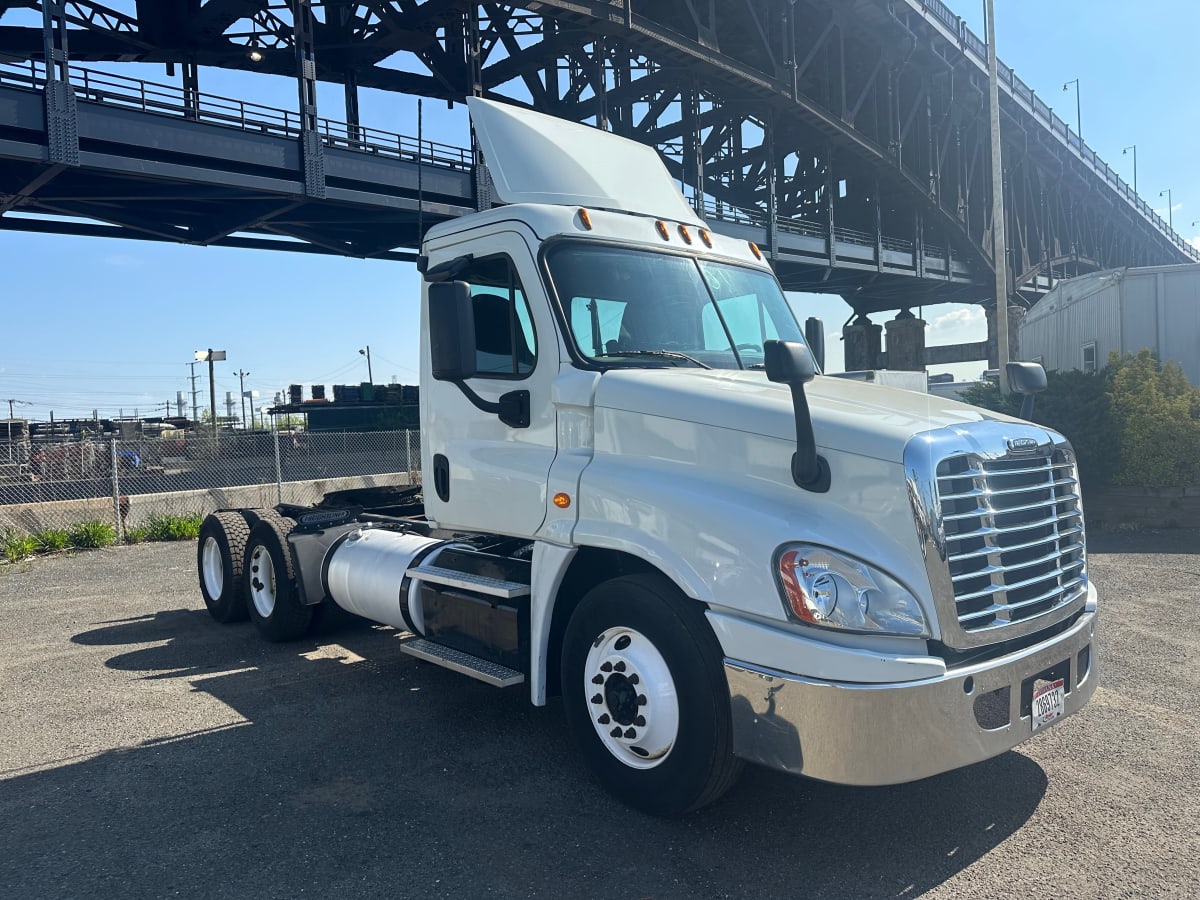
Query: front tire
point(271, 595)
point(646, 698)
point(219, 557)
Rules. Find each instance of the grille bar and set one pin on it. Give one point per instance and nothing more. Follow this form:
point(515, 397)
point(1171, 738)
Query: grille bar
point(979, 473)
point(992, 570)
point(982, 492)
point(991, 530)
point(1028, 545)
point(1028, 582)
point(980, 511)
point(1048, 595)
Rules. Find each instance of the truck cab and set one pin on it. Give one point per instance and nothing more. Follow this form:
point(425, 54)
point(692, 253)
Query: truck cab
point(641, 494)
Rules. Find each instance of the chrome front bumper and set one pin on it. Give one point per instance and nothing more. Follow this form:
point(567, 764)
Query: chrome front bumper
point(872, 734)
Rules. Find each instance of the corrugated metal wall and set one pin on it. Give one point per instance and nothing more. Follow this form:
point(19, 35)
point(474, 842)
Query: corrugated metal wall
point(1124, 310)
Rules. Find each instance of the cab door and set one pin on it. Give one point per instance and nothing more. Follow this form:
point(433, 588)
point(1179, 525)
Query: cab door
point(481, 474)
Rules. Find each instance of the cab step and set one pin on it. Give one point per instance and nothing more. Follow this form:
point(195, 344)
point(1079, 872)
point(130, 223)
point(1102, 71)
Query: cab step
point(468, 581)
point(449, 658)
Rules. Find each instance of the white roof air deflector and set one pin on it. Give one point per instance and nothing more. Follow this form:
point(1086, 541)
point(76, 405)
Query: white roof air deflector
point(535, 158)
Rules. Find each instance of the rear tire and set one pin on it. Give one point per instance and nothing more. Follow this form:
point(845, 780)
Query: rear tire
point(219, 556)
point(271, 596)
point(645, 696)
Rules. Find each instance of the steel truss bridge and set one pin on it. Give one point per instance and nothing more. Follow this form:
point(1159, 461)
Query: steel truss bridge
point(849, 138)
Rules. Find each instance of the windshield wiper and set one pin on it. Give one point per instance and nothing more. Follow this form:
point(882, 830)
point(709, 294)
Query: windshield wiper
point(659, 354)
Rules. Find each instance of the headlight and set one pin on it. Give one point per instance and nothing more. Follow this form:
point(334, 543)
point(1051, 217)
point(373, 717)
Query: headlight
point(832, 590)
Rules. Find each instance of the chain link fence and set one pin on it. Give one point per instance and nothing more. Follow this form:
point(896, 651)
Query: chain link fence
point(126, 483)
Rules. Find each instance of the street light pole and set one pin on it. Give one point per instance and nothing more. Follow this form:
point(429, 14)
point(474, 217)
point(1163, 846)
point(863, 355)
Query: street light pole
point(242, 384)
point(367, 354)
point(1170, 215)
point(1078, 117)
point(1132, 147)
point(999, 244)
point(210, 356)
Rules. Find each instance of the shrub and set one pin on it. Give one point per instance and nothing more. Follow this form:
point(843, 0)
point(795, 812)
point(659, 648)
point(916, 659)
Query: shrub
point(16, 547)
point(1156, 413)
point(168, 528)
point(94, 533)
point(52, 539)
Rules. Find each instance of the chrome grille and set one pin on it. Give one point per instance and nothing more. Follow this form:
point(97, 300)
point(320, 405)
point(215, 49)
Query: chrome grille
point(1013, 536)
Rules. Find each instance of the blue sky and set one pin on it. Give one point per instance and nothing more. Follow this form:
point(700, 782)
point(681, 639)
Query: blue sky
point(111, 325)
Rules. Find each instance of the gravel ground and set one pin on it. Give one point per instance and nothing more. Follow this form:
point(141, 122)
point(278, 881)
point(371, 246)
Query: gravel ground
point(146, 751)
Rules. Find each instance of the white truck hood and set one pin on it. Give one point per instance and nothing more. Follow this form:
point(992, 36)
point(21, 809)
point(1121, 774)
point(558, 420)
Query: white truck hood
point(850, 416)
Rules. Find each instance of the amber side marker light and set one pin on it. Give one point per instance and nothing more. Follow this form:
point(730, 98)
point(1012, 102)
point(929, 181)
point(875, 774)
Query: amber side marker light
point(685, 234)
point(586, 218)
point(562, 501)
point(754, 249)
point(706, 237)
point(662, 230)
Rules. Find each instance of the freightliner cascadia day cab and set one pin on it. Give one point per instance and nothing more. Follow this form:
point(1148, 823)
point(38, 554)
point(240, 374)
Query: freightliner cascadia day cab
point(640, 495)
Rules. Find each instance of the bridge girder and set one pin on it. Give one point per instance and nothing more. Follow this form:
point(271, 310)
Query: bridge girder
point(866, 116)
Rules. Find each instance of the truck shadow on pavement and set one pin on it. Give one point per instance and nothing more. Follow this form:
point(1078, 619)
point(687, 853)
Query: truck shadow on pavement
point(338, 766)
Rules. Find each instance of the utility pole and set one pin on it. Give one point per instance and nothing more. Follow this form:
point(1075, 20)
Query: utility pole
point(242, 383)
point(999, 244)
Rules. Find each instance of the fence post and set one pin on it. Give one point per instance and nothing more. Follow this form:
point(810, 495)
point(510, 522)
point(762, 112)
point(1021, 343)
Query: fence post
point(278, 467)
point(408, 448)
point(116, 486)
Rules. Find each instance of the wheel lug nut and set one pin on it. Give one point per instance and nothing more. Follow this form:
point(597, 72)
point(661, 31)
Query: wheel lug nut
point(640, 721)
point(599, 679)
point(604, 719)
point(620, 667)
point(606, 667)
point(616, 732)
point(641, 700)
point(597, 699)
point(630, 733)
point(633, 679)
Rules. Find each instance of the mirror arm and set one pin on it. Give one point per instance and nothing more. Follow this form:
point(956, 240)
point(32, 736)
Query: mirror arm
point(512, 408)
point(809, 469)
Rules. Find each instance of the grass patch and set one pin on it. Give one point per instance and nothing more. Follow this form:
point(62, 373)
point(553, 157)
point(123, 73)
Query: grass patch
point(16, 547)
point(91, 534)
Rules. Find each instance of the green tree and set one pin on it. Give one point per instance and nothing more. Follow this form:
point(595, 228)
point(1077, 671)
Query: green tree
point(1158, 429)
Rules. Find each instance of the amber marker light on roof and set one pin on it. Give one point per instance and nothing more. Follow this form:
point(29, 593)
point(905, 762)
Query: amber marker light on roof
point(662, 230)
point(562, 501)
point(685, 234)
point(754, 249)
point(706, 237)
point(586, 218)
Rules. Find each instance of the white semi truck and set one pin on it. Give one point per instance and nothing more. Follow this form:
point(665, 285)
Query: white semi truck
point(639, 494)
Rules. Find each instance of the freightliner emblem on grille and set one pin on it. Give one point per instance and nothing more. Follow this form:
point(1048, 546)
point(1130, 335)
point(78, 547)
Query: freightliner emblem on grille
point(1022, 445)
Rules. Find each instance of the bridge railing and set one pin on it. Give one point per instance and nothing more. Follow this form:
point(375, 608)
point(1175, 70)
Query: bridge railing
point(971, 43)
point(170, 100)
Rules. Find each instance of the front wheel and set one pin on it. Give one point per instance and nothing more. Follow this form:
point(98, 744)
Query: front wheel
point(646, 698)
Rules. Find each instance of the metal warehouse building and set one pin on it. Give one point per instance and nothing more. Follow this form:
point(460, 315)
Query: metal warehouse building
point(1077, 324)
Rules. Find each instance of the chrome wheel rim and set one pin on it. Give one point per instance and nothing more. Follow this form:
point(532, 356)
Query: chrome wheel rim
point(212, 568)
point(631, 697)
point(262, 581)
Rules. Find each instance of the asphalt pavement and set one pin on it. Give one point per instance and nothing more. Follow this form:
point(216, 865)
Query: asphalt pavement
point(146, 751)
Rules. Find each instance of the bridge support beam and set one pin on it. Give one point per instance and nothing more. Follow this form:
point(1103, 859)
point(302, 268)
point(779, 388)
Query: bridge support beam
point(311, 150)
point(862, 341)
point(62, 124)
point(906, 342)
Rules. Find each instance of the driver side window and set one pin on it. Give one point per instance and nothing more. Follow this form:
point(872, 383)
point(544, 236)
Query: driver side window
point(505, 342)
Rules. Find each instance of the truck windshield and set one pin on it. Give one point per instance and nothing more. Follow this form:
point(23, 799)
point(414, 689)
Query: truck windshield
point(641, 308)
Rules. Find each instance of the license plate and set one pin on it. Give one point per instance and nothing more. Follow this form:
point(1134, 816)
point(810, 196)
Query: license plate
point(1049, 703)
